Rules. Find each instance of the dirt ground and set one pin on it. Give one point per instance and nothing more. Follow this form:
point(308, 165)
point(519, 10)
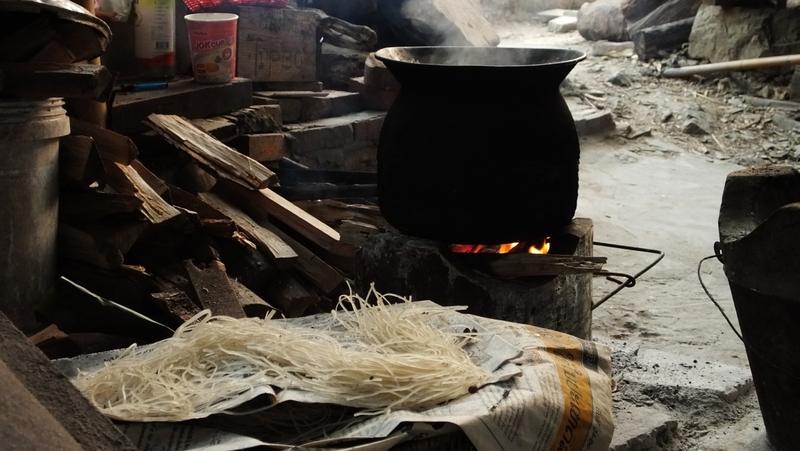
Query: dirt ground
point(654, 185)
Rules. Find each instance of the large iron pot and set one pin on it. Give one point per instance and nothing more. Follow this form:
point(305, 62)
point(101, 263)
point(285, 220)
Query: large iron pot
point(479, 146)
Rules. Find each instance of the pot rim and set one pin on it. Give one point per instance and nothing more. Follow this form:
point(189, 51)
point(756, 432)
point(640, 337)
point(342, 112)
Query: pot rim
point(383, 56)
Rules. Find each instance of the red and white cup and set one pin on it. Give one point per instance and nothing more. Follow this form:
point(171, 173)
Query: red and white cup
point(212, 40)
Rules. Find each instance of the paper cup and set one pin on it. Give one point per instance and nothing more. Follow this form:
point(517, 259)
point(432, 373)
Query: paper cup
point(212, 39)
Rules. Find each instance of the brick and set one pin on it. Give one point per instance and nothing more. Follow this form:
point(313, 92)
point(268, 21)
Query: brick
point(312, 108)
point(262, 147)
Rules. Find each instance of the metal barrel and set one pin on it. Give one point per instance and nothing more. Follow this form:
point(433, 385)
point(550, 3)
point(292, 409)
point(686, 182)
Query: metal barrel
point(29, 134)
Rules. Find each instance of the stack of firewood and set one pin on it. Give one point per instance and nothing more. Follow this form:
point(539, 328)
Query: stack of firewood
point(190, 223)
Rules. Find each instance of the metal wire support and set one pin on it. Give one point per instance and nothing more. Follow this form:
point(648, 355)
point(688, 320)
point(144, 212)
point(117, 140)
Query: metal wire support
point(630, 280)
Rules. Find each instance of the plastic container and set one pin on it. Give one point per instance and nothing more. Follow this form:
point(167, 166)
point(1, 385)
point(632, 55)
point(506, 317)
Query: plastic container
point(212, 40)
point(154, 38)
point(29, 133)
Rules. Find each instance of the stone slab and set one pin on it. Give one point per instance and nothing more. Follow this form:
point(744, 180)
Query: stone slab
point(641, 428)
point(663, 369)
point(590, 122)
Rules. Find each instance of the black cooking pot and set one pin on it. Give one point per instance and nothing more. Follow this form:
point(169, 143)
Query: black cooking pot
point(479, 146)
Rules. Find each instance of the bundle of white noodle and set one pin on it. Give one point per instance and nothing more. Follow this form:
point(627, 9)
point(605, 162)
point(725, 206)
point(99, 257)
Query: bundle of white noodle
point(399, 360)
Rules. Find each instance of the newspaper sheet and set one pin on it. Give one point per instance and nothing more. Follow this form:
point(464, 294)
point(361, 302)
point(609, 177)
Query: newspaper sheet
point(549, 391)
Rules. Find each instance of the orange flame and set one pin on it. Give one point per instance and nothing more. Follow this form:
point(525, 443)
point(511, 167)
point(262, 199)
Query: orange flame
point(538, 248)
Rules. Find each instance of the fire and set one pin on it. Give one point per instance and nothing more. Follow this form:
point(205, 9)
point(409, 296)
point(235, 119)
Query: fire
point(540, 248)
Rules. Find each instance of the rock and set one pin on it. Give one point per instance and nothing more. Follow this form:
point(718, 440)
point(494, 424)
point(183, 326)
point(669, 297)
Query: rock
point(668, 12)
point(435, 22)
point(738, 33)
point(634, 10)
point(563, 24)
point(667, 116)
point(786, 123)
point(654, 41)
point(614, 49)
point(593, 122)
point(602, 20)
point(550, 14)
point(694, 127)
point(641, 428)
point(697, 123)
point(620, 79)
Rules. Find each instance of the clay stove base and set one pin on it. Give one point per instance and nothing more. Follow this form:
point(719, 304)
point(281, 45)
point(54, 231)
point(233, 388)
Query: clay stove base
point(405, 265)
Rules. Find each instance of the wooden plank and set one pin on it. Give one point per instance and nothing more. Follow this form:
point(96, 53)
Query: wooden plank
point(158, 185)
point(43, 80)
point(213, 289)
point(183, 97)
point(211, 153)
point(92, 430)
point(262, 147)
point(290, 94)
point(512, 266)
point(264, 238)
point(260, 203)
point(333, 212)
point(78, 162)
point(316, 270)
point(126, 179)
point(315, 86)
point(110, 145)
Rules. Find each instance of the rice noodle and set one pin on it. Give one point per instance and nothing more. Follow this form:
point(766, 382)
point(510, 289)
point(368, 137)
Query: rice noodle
point(386, 358)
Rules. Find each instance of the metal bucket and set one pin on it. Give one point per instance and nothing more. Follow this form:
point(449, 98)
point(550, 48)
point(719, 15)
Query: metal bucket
point(760, 245)
point(29, 133)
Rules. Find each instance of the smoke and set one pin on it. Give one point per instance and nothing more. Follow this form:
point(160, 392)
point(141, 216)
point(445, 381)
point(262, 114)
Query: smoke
point(445, 22)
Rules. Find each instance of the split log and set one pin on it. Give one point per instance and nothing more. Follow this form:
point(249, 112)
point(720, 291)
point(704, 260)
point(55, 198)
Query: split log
point(76, 244)
point(514, 266)
point(194, 178)
point(78, 162)
point(176, 304)
point(110, 145)
point(210, 220)
point(252, 304)
point(219, 127)
point(257, 119)
point(262, 203)
point(342, 33)
point(213, 289)
point(126, 179)
point(77, 207)
point(650, 42)
point(43, 80)
point(265, 239)
point(333, 212)
point(291, 296)
point(126, 285)
point(211, 153)
point(316, 270)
